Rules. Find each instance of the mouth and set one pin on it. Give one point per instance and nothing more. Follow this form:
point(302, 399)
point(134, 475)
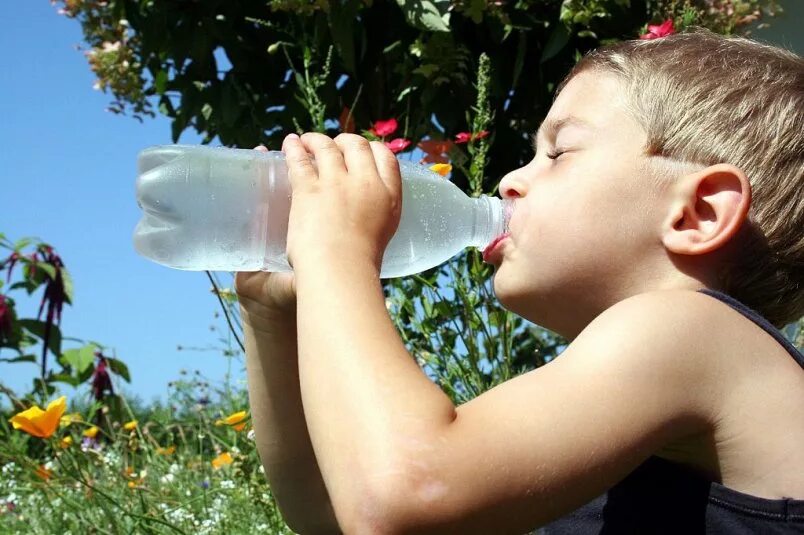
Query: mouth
point(491, 252)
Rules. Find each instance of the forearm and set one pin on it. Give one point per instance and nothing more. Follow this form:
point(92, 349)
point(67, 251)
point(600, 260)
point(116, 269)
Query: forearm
point(280, 428)
point(375, 418)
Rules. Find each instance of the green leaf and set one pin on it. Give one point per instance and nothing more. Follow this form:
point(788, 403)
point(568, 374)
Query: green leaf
point(160, 81)
point(67, 281)
point(430, 15)
point(21, 358)
point(206, 110)
point(342, 16)
point(37, 328)
point(166, 107)
point(22, 243)
point(64, 378)
point(555, 43)
point(79, 359)
point(231, 107)
point(47, 268)
point(119, 368)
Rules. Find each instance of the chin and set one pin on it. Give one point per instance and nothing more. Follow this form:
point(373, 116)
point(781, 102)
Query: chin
point(510, 295)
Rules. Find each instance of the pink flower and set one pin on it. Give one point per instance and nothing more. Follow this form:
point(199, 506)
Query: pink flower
point(397, 144)
point(384, 128)
point(5, 318)
point(465, 137)
point(656, 31)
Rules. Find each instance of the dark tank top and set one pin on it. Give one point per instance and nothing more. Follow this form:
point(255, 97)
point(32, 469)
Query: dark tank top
point(661, 496)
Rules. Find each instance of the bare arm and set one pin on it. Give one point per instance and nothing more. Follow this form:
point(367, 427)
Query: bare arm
point(280, 428)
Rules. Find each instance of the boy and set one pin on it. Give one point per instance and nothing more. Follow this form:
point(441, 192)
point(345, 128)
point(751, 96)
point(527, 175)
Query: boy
point(663, 197)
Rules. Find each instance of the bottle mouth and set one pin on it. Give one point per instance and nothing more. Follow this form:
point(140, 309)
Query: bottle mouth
point(508, 211)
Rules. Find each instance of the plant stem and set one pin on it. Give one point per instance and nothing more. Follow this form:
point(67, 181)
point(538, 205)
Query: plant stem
point(225, 311)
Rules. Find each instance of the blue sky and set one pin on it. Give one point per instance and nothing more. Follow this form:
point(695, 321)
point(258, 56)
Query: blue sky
point(68, 171)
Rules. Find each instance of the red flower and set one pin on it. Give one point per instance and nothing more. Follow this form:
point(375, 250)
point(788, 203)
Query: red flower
point(397, 144)
point(656, 31)
point(346, 126)
point(5, 318)
point(465, 137)
point(11, 260)
point(101, 382)
point(435, 150)
point(384, 128)
point(54, 297)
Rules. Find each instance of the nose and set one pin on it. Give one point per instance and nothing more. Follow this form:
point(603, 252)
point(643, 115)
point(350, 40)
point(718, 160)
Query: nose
point(511, 187)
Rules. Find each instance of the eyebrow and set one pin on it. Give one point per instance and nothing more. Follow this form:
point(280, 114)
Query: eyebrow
point(550, 127)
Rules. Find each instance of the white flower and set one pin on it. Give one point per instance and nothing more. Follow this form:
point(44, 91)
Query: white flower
point(8, 468)
point(227, 484)
point(250, 434)
point(261, 469)
point(111, 47)
point(124, 22)
point(174, 468)
point(167, 478)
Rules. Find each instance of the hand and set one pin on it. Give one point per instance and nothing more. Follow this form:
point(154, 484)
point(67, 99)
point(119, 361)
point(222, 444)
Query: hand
point(347, 206)
point(266, 298)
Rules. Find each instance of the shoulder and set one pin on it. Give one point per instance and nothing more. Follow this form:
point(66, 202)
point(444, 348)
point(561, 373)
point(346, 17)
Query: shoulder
point(664, 339)
point(659, 306)
point(681, 323)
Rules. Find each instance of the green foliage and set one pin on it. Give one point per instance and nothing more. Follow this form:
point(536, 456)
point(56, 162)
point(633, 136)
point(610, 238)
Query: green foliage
point(43, 268)
point(157, 476)
point(404, 59)
point(466, 65)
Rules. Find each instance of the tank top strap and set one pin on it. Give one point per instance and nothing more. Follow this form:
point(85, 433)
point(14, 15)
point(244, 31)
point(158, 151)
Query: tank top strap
point(759, 320)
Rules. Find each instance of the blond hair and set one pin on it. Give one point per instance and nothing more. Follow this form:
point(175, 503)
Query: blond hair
point(705, 99)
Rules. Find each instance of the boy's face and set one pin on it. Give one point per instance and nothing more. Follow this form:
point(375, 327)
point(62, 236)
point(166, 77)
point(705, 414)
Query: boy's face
point(585, 232)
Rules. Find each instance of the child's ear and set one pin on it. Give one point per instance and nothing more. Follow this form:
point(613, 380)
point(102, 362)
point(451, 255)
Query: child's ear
point(706, 210)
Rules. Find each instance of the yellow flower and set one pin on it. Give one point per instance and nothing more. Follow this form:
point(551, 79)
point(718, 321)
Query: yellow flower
point(91, 432)
point(222, 460)
point(442, 169)
point(166, 451)
point(68, 419)
point(40, 423)
point(130, 426)
point(65, 442)
point(234, 420)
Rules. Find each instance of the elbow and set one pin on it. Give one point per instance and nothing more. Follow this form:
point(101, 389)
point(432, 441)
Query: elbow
point(402, 504)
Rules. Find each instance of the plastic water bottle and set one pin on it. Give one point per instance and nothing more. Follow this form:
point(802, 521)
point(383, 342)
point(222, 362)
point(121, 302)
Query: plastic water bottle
point(222, 209)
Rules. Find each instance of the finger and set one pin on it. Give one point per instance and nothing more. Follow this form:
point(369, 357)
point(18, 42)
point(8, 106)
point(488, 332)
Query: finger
point(300, 167)
point(261, 148)
point(388, 168)
point(328, 156)
point(357, 154)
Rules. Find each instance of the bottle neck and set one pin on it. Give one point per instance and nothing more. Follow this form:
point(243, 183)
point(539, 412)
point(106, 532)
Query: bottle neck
point(491, 217)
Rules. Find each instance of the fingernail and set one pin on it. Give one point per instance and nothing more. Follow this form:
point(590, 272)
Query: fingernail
point(292, 136)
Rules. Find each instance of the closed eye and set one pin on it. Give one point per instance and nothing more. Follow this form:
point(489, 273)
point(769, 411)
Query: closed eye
point(555, 154)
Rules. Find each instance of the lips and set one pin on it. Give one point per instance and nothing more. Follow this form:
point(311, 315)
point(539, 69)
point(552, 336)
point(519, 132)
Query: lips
point(490, 248)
